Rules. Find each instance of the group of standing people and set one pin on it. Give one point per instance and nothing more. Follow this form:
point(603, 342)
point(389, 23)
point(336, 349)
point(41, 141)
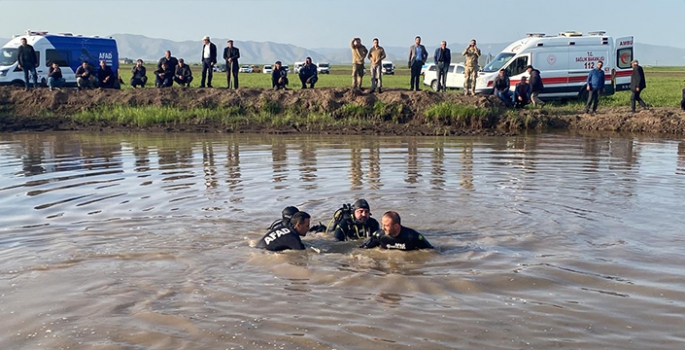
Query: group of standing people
point(349, 223)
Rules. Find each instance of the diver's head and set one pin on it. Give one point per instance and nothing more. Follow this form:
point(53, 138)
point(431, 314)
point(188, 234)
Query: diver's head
point(391, 223)
point(362, 211)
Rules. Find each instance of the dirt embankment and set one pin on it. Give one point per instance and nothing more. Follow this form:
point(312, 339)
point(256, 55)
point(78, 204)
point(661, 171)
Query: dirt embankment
point(392, 112)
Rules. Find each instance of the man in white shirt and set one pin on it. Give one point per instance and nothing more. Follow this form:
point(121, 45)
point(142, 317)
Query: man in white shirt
point(208, 61)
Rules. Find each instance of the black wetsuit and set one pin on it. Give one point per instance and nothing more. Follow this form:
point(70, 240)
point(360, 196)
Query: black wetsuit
point(278, 224)
point(408, 239)
point(349, 230)
point(281, 238)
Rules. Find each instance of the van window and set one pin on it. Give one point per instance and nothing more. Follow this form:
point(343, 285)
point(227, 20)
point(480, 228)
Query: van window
point(60, 57)
point(624, 57)
point(518, 66)
point(498, 62)
point(8, 56)
point(460, 69)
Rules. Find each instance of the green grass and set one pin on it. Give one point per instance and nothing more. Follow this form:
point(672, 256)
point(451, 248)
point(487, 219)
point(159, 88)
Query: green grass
point(449, 113)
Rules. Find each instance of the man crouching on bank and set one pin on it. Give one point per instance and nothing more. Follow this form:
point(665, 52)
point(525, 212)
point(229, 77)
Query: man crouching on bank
point(287, 237)
point(395, 236)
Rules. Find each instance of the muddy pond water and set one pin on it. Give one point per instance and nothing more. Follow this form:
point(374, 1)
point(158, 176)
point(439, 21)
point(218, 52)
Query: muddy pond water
point(146, 241)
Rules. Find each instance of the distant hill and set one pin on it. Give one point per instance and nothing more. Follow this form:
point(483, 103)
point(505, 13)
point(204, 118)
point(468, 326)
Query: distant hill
point(139, 46)
point(151, 49)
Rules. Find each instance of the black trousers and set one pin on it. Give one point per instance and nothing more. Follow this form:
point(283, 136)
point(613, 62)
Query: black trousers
point(415, 75)
point(442, 69)
point(303, 79)
point(232, 70)
point(592, 99)
point(183, 82)
point(207, 71)
point(635, 97)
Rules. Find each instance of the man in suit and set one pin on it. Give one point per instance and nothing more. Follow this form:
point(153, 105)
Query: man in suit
point(637, 84)
point(417, 58)
point(208, 61)
point(231, 55)
point(442, 59)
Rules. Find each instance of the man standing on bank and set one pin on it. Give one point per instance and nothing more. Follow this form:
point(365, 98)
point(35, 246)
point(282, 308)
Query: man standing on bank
point(376, 56)
point(27, 62)
point(231, 55)
point(637, 84)
point(595, 85)
point(417, 58)
point(442, 59)
point(472, 54)
point(208, 61)
point(359, 53)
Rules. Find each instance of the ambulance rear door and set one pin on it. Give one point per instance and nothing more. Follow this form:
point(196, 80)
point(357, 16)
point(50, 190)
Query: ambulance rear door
point(623, 57)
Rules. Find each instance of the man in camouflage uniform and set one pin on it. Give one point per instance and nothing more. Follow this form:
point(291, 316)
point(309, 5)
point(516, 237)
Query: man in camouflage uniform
point(359, 53)
point(472, 53)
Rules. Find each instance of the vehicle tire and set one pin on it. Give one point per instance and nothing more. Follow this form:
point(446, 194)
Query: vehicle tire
point(434, 85)
point(18, 83)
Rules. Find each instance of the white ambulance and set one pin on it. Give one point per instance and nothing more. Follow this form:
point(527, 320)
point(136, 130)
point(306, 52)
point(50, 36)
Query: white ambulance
point(564, 62)
point(66, 49)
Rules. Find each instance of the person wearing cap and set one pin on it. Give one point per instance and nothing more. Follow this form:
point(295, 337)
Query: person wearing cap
point(355, 224)
point(279, 77)
point(183, 75)
point(231, 55)
point(536, 86)
point(208, 61)
point(287, 237)
point(171, 62)
point(637, 84)
point(522, 93)
point(308, 74)
point(395, 236)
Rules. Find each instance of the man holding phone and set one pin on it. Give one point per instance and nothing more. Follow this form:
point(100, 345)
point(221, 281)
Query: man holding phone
point(472, 54)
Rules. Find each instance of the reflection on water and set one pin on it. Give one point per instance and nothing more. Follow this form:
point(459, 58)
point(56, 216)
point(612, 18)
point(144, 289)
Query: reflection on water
point(144, 241)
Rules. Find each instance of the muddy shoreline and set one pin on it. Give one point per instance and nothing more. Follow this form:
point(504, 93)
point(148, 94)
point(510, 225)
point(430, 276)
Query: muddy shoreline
point(394, 112)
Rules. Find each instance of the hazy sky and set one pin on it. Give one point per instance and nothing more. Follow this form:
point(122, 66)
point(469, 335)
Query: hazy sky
point(332, 23)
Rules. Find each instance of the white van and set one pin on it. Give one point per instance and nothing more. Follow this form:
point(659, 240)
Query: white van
point(564, 62)
point(67, 50)
point(323, 68)
point(387, 68)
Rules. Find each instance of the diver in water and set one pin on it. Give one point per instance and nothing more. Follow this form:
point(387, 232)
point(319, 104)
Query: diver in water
point(284, 237)
point(396, 236)
point(286, 215)
point(353, 222)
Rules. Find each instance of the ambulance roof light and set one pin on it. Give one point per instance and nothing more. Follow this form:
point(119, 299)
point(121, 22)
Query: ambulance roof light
point(597, 33)
point(571, 33)
point(535, 35)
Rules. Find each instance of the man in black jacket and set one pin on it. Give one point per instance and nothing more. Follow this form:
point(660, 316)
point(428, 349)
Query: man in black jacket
point(279, 77)
point(502, 85)
point(106, 76)
point(231, 55)
point(637, 84)
point(85, 77)
point(171, 61)
point(183, 75)
point(442, 60)
point(138, 74)
point(396, 236)
point(28, 62)
point(308, 74)
point(208, 61)
point(536, 86)
point(288, 237)
point(164, 76)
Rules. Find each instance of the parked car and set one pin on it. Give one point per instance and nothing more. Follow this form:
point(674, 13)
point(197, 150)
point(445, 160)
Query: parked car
point(387, 68)
point(297, 66)
point(287, 69)
point(219, 68)
point(455, 76)
point(245, 68)
point(267, 69)
point(323, 68)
